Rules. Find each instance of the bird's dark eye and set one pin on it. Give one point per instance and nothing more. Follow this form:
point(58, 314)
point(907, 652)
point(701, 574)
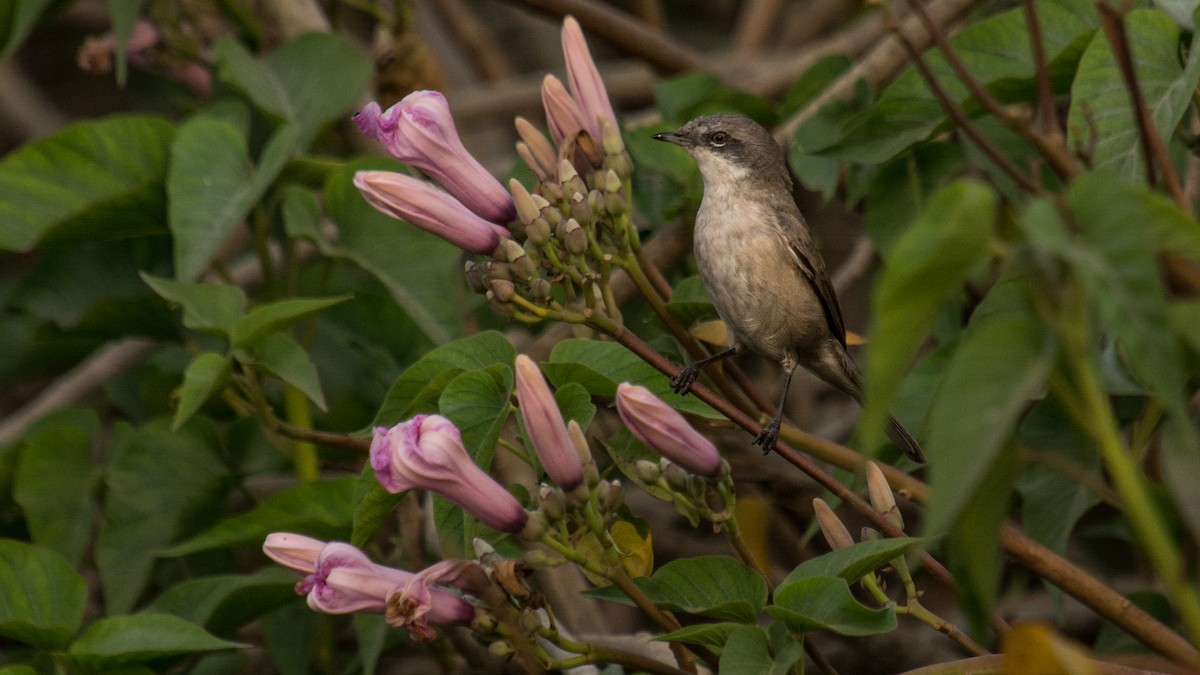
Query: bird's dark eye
point(718, 139)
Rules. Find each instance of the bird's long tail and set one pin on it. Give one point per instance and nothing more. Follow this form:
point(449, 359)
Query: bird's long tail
point(842, 372)
point(904, 440)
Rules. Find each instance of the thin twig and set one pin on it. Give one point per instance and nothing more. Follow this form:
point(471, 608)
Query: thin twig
point(1059, 159)
point(492, 62)
point(1045, 92)
point(879, 65)
point(961, 120)
point(755, 22)
point(1112, 20)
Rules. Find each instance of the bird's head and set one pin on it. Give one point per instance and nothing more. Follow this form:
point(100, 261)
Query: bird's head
point(729, 147)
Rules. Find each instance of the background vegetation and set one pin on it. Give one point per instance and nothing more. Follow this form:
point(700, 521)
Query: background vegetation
point(1005, 192)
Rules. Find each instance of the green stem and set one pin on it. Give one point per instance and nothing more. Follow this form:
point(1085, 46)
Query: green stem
point(299, 415)
point(1130, 483)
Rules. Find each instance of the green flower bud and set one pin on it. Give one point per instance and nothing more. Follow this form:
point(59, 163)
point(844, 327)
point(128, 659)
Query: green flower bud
point(477, 276)
point(538, 231)
point(572, 236)
point(500, 649)
point(553, 503)
point(596, 202)
point(572, 184)
point(581, 210)
point(540, 289)
point(676, 476)
point(502, 289)
point(647, 471)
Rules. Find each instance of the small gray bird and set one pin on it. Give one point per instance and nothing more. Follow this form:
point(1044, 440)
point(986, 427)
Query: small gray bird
point(759, 263)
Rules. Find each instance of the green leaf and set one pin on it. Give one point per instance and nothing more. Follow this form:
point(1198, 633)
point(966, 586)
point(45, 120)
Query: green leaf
point(695, 94)
point(996, 52)
point(371, 505)
point(283, 84)
point(1101, 107)
point(974, 542)
point(225, 602)
point(205, 375)
point(714, 586)
point(1052, 501)
point(1116, 258)
point(826, 603)
point(159, 483)
point(54, 480)
point(928, 264)
point(302, 215)
point(19, 18)
point(121, 640)
point(575, 403)
point(477, 402)
point(1000, 365)
point(41, 598)
point(420, 270)
point(710, 635)
point(214, 308)
point(600, 366)
point(94, 179)
point(322, 509)
point(418, 389)
point(283, 357)
point(277, 316)
point(854, 562)
point(690, 302)
point(899, 190)
point(748, 652)
point(212, 186)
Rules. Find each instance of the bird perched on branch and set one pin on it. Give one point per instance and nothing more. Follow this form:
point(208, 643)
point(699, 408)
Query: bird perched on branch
point(758, 261)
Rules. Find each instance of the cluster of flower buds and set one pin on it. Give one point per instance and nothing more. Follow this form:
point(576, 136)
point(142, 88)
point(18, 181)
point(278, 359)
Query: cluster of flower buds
point(340, 579)
point(567, 230)
point(883, 501)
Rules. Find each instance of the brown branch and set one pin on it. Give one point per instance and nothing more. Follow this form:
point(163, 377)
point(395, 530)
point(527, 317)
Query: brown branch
point(755, 22)
point(626, 32)
point(1059, 159)
point(1097, 595)
point(879, 65)
point(326, 438)
point(1113, 21)
point(479, 44)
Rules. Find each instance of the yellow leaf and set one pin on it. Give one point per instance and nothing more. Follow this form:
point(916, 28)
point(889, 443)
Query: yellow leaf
point(1034, 649)
point(637, 553)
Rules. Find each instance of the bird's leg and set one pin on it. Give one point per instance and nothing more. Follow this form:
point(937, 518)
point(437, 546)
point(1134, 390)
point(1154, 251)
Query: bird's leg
point(770, 433)
point(681, 383)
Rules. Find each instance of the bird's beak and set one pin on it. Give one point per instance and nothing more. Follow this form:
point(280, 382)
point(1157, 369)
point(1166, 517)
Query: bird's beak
point(673, 137)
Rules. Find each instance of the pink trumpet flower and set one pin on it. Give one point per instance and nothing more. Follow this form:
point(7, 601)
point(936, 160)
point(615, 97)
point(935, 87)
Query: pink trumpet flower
point(427, 453)
point(420, 131)
point(421, 204)
point(665, 431)
point(340, 579)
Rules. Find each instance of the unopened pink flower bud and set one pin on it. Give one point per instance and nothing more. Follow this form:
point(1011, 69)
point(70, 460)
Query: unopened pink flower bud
point(883, 500)
point(526, 209)
point(419, 203)
point(562, 113)
point(420, 131)
point(542, 157)
point(584, 80)
point(545, 427)
point(665, 431)
point(427, 453)
point(836, 534)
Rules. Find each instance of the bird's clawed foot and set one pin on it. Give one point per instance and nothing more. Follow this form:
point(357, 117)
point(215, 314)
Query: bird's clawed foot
point(682, 383)
point(767, 437)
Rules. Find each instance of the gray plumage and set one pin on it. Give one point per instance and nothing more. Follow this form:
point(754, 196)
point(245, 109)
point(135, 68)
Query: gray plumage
point(760, 265)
